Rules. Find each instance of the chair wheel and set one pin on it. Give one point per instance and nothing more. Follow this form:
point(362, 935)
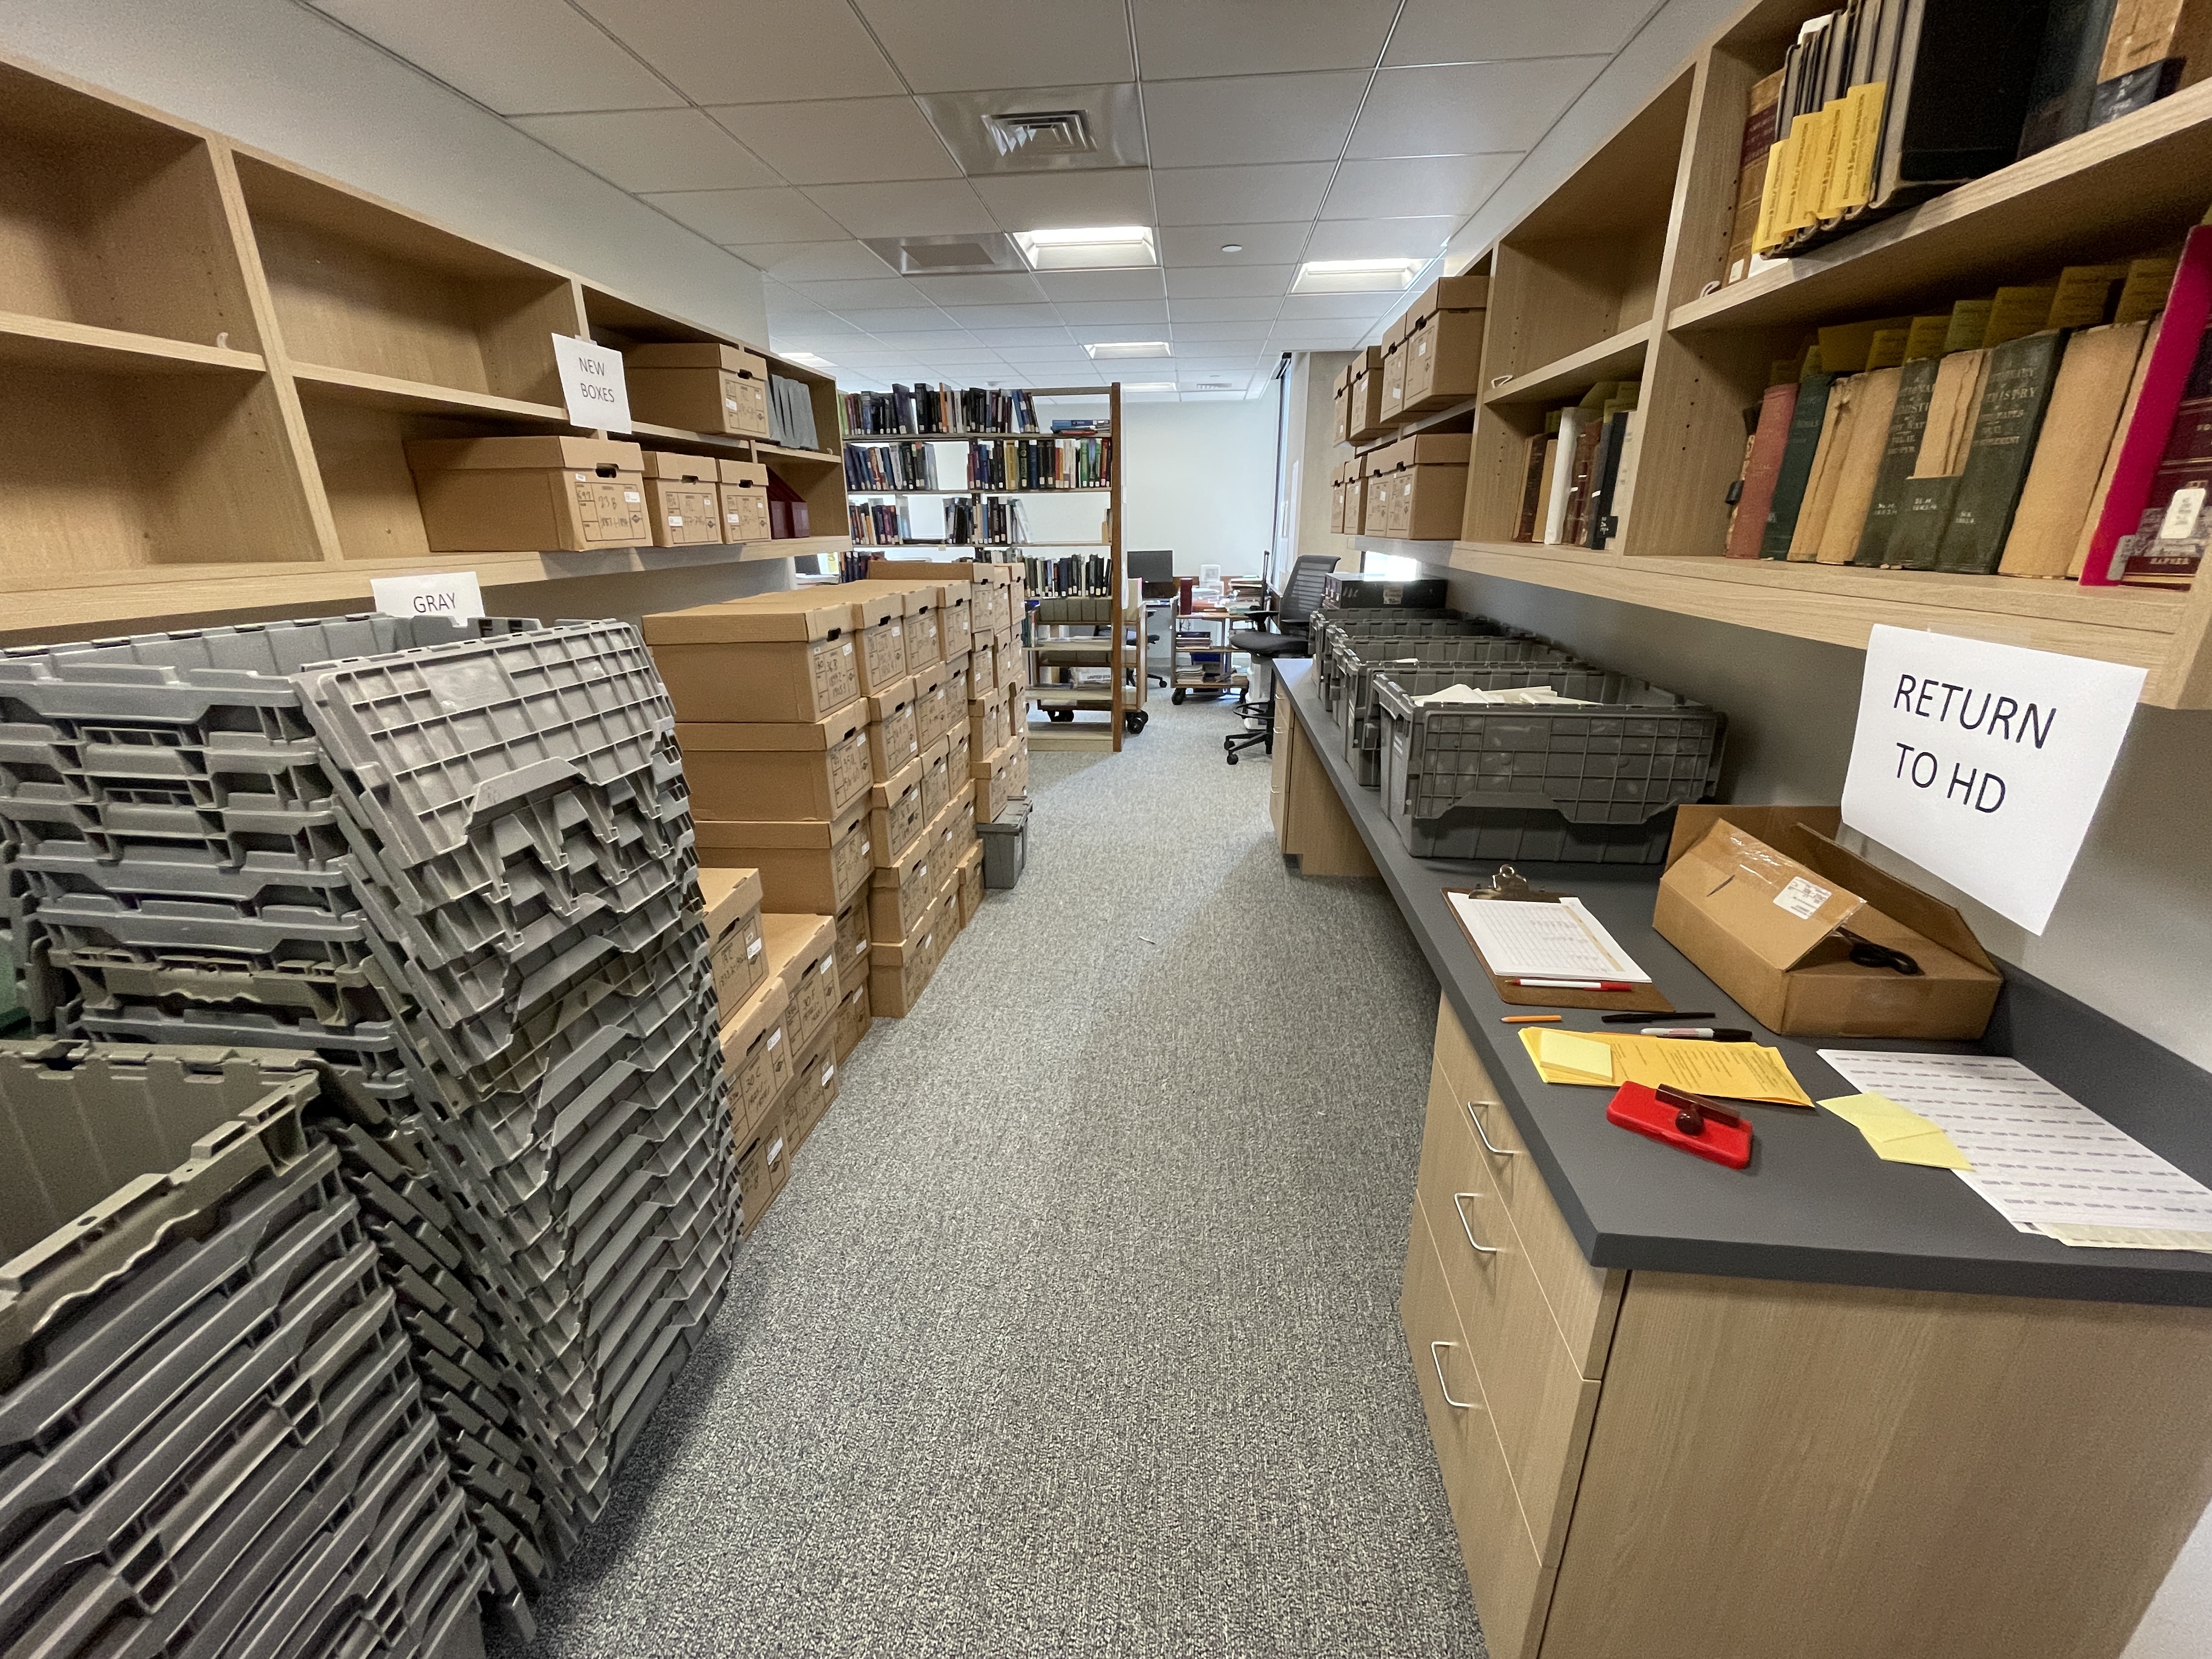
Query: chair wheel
point(1135, 719)
point(1232, 757)
point(1176, 699)
point(1059, 716)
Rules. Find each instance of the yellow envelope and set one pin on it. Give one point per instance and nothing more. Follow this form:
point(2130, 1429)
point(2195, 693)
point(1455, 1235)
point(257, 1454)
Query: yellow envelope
point(1730, 1071)
point(1898, 1134)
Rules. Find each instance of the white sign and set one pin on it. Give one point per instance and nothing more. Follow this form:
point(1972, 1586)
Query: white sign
point(592, 381)
point(1983, 763)
point(454, 594)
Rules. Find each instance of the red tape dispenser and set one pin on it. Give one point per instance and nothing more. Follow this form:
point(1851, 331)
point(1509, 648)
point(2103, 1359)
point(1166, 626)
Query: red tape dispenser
point(1691, 1123)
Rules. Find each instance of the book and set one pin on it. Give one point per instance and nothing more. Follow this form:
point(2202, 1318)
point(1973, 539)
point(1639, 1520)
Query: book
point(2143, 290)
point(2093, 382)
point(1836, 428)
point(2016, 392)
point(1751, 175)
point(1949, 423)
point(2084, 295)
point(1969, 324)
point(1544, 494)
point(1964, 72)
point(2104, 473)
point(1908, 422)
point(2142, 439)
point(1777, 412)
point(2152, 49)
point(1623, 487)
point(2167, 546)
point(1858, 465)
point(1606, 468)
point(1572, 422)
point(2017, 313)
point(1845, 347)
point(2065, 73)
point(1921, 517)
point(1796, 464)
point(1925, 338)
point(1532, 486)
point(1581, 471)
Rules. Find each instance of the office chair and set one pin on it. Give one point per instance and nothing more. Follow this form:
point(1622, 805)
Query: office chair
point(1301, 597)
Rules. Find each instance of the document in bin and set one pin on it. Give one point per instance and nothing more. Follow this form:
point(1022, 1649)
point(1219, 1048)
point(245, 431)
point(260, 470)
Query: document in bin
point(1519, 940)
point(2042, 1160)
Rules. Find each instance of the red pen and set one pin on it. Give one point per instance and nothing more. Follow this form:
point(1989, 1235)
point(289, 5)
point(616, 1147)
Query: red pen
point(1576, 984)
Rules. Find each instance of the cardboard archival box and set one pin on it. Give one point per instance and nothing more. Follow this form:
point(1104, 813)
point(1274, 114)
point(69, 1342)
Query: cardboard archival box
point(853, 1019)
point(893, 737)
point(1753, 896)
point(1365, 396)
point(959, 684)
point(744, 501)
point(735, 955)
point(948, 915)
point(756, 1056)
point(1018, 770)
point(773, 657)
point(958, 755)
point(899, 895)
point(807, 866)
point(933, 712)
point(699, 386)
point(971, 885)
point(936, 777)
point(813, 1085)
point(898, 974)
point(852, 938)
point(988, 724)
point(802, 952)
point(1427, 485)
point(952, 833)
point(741, 769)
point(764, 1166)
point(684, 499)
point(924, 646)
point(529, 494)
point(896, 818)
point(1442, 343)
point(879, 623)
point(955, 619)
point(992, 775)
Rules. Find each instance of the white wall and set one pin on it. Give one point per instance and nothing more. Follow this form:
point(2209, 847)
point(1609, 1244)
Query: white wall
point(286, 79)
point(1200, 478)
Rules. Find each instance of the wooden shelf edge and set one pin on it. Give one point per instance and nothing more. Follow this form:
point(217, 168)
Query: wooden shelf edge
point(27, 339)
point(385, 392)
point(1578, 370)
point(678, 434)
point(1436, 553)
point(762, 446)
point(1838, 605)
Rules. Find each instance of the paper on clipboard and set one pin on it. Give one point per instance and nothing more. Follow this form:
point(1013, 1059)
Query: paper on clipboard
point(1545, 941)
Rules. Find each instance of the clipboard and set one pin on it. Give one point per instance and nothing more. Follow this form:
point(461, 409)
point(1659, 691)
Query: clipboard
point(1508, 884)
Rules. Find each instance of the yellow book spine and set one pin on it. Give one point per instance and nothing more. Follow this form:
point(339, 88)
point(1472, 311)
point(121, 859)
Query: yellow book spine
point(1773, 202)
point(1814, 151)
point(1842, 155)
point(1870, 101)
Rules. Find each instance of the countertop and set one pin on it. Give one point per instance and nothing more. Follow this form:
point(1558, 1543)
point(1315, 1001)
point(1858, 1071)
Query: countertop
point(1815, 1205)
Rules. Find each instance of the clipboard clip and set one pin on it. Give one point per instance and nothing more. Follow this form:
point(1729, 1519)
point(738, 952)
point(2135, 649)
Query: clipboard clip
point(1511, 884)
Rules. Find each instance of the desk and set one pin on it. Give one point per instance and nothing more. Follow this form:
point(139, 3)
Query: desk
point(1828, 1406)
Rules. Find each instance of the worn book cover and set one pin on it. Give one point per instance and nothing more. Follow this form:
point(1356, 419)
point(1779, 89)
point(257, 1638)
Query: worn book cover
point(1776, 412)
point(1920, 520)
point(2168, 544)
point(1907, 425)
point(1859, 465)
point(1950, 420)
point(1532, 490)
point(1836, 428)
point(2065, 73)
point(2015, 391)
point(2093, 378)
point(1796, 468)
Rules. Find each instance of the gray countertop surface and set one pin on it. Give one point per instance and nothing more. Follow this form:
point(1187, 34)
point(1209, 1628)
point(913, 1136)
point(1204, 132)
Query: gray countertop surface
point(1815, 1205)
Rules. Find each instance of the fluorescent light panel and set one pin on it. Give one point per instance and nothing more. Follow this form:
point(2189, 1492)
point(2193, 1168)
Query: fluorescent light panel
point(1356, 276)
point(1110, 349)
point(1098, 247)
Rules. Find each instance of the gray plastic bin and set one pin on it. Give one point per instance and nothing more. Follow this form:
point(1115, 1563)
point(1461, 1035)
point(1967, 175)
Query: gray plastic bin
point(1005, 841)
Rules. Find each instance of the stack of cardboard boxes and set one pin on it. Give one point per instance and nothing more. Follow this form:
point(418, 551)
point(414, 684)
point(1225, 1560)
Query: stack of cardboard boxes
point(1430, 361)
point(579, 494)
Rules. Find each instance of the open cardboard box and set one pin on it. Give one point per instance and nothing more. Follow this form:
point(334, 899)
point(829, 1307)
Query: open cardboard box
point(1753, 895)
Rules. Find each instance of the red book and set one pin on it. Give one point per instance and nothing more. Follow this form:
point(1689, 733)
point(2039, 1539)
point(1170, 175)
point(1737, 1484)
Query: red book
point(2168, 542)
point(2142, 445)
point(1760, 471)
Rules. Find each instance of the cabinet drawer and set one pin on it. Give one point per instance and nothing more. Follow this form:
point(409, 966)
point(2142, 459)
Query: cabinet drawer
point(1541, 1404)
point(1512, 1586)
point(1584, 1300)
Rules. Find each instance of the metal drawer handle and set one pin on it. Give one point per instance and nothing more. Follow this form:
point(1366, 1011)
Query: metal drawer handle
point(1486, 1249)
point(1495, 1151)
point(1437, 1360)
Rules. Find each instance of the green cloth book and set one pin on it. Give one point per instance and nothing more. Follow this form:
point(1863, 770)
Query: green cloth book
point(1921, 518)
point(1796, 464)
point(2014, 394)
point(1907, 422)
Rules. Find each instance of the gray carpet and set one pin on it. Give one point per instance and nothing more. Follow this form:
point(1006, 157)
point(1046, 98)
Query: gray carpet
point(1076, 1330)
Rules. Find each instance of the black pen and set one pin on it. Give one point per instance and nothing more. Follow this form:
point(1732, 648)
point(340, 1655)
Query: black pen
point(1630, 1019)
point(1700, 1033)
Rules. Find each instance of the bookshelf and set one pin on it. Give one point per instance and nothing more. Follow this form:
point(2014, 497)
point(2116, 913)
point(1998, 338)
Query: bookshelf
point(1614, 276)
point(215, 358)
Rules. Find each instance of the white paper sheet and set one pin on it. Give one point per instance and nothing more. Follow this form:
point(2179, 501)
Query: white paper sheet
point(1520, 938)
point(2042, 1161)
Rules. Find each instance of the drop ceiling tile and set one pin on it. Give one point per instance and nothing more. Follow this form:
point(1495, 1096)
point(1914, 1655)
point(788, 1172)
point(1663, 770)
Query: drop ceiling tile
point(1261, 117)
point(1380, 238)
point(748, 52)
point(871, 359)
point(643, 149)
point(570, 65)
point(1035, 354)
point(1267, 194)
point(1054, 201)
point(1468, 109)
point(1253, 329)
point(1332, 307)
point(958, 46)
point(1228, 281)
point(1453, 32)
point(930, 208)
point(1017, 316)
point(1182, 246)
point(998, 339)
point(1176, 40)
point(779, 215)
point(974, 290)
point(1242, 310)
point(1091, 334)
point(900, 319)
point(846, 141)
point(804, 262)
point(860, 294)
point(1452, 184)
point(1317, 336)
point(1154, 311)
point(1102, 284)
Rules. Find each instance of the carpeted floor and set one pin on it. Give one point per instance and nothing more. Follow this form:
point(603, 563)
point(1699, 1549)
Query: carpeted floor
point(1075, 1332)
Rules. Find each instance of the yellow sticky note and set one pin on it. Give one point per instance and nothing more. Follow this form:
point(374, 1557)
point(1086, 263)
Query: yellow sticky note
point(1569, 1051)
point(1898, 1134)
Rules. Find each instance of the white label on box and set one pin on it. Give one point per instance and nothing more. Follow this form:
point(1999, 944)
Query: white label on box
point(828, 1072)
point(755, 949)
point(1983, 763)
point(775, 1036)
point(676, 521)
point(2180, 522)
point(1802, 897)
point(455, 594)
point(592, 382)
point(630, 496)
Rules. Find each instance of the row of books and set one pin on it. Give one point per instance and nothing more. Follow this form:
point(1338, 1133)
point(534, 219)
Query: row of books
point(1041, 464)
point(880, 524)
point(990, 522)
point(1087, 575)
point(1581, 469)
point(2053, 430)
point(1881, 104)
point(791, 414)
point(889, 466)
point(939, 410)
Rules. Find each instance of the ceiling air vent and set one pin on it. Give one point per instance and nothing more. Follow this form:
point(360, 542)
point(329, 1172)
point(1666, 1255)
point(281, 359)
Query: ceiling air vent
point(1041, 133)
point(946, 256)
point(1212, 385)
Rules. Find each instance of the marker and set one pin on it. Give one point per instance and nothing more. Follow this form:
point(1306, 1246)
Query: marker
point(1533, 1019)
point(1574, 984)
point(1630, 1019)
point(1704, 1033)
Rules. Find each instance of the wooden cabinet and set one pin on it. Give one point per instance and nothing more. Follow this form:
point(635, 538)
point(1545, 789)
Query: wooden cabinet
point(1310, 823)
point(1662, 1466)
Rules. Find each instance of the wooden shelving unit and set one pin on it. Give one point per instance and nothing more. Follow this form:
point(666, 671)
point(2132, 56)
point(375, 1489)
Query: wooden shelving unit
point(215, 359)
point(1613, 276)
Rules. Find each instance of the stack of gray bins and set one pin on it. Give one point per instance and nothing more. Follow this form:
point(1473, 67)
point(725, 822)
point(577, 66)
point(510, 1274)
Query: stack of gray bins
point(212, 1441)
point(1328, 631)
point(1490, 664)
point(453, 864)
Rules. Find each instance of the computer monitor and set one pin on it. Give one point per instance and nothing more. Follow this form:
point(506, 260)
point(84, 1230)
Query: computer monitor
point(1152, 565)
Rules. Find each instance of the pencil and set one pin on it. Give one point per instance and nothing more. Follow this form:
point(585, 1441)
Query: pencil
point(1533, 1019)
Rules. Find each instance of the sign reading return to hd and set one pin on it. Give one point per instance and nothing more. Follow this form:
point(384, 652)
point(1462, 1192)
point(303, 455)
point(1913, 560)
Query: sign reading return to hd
point(1983, 763)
